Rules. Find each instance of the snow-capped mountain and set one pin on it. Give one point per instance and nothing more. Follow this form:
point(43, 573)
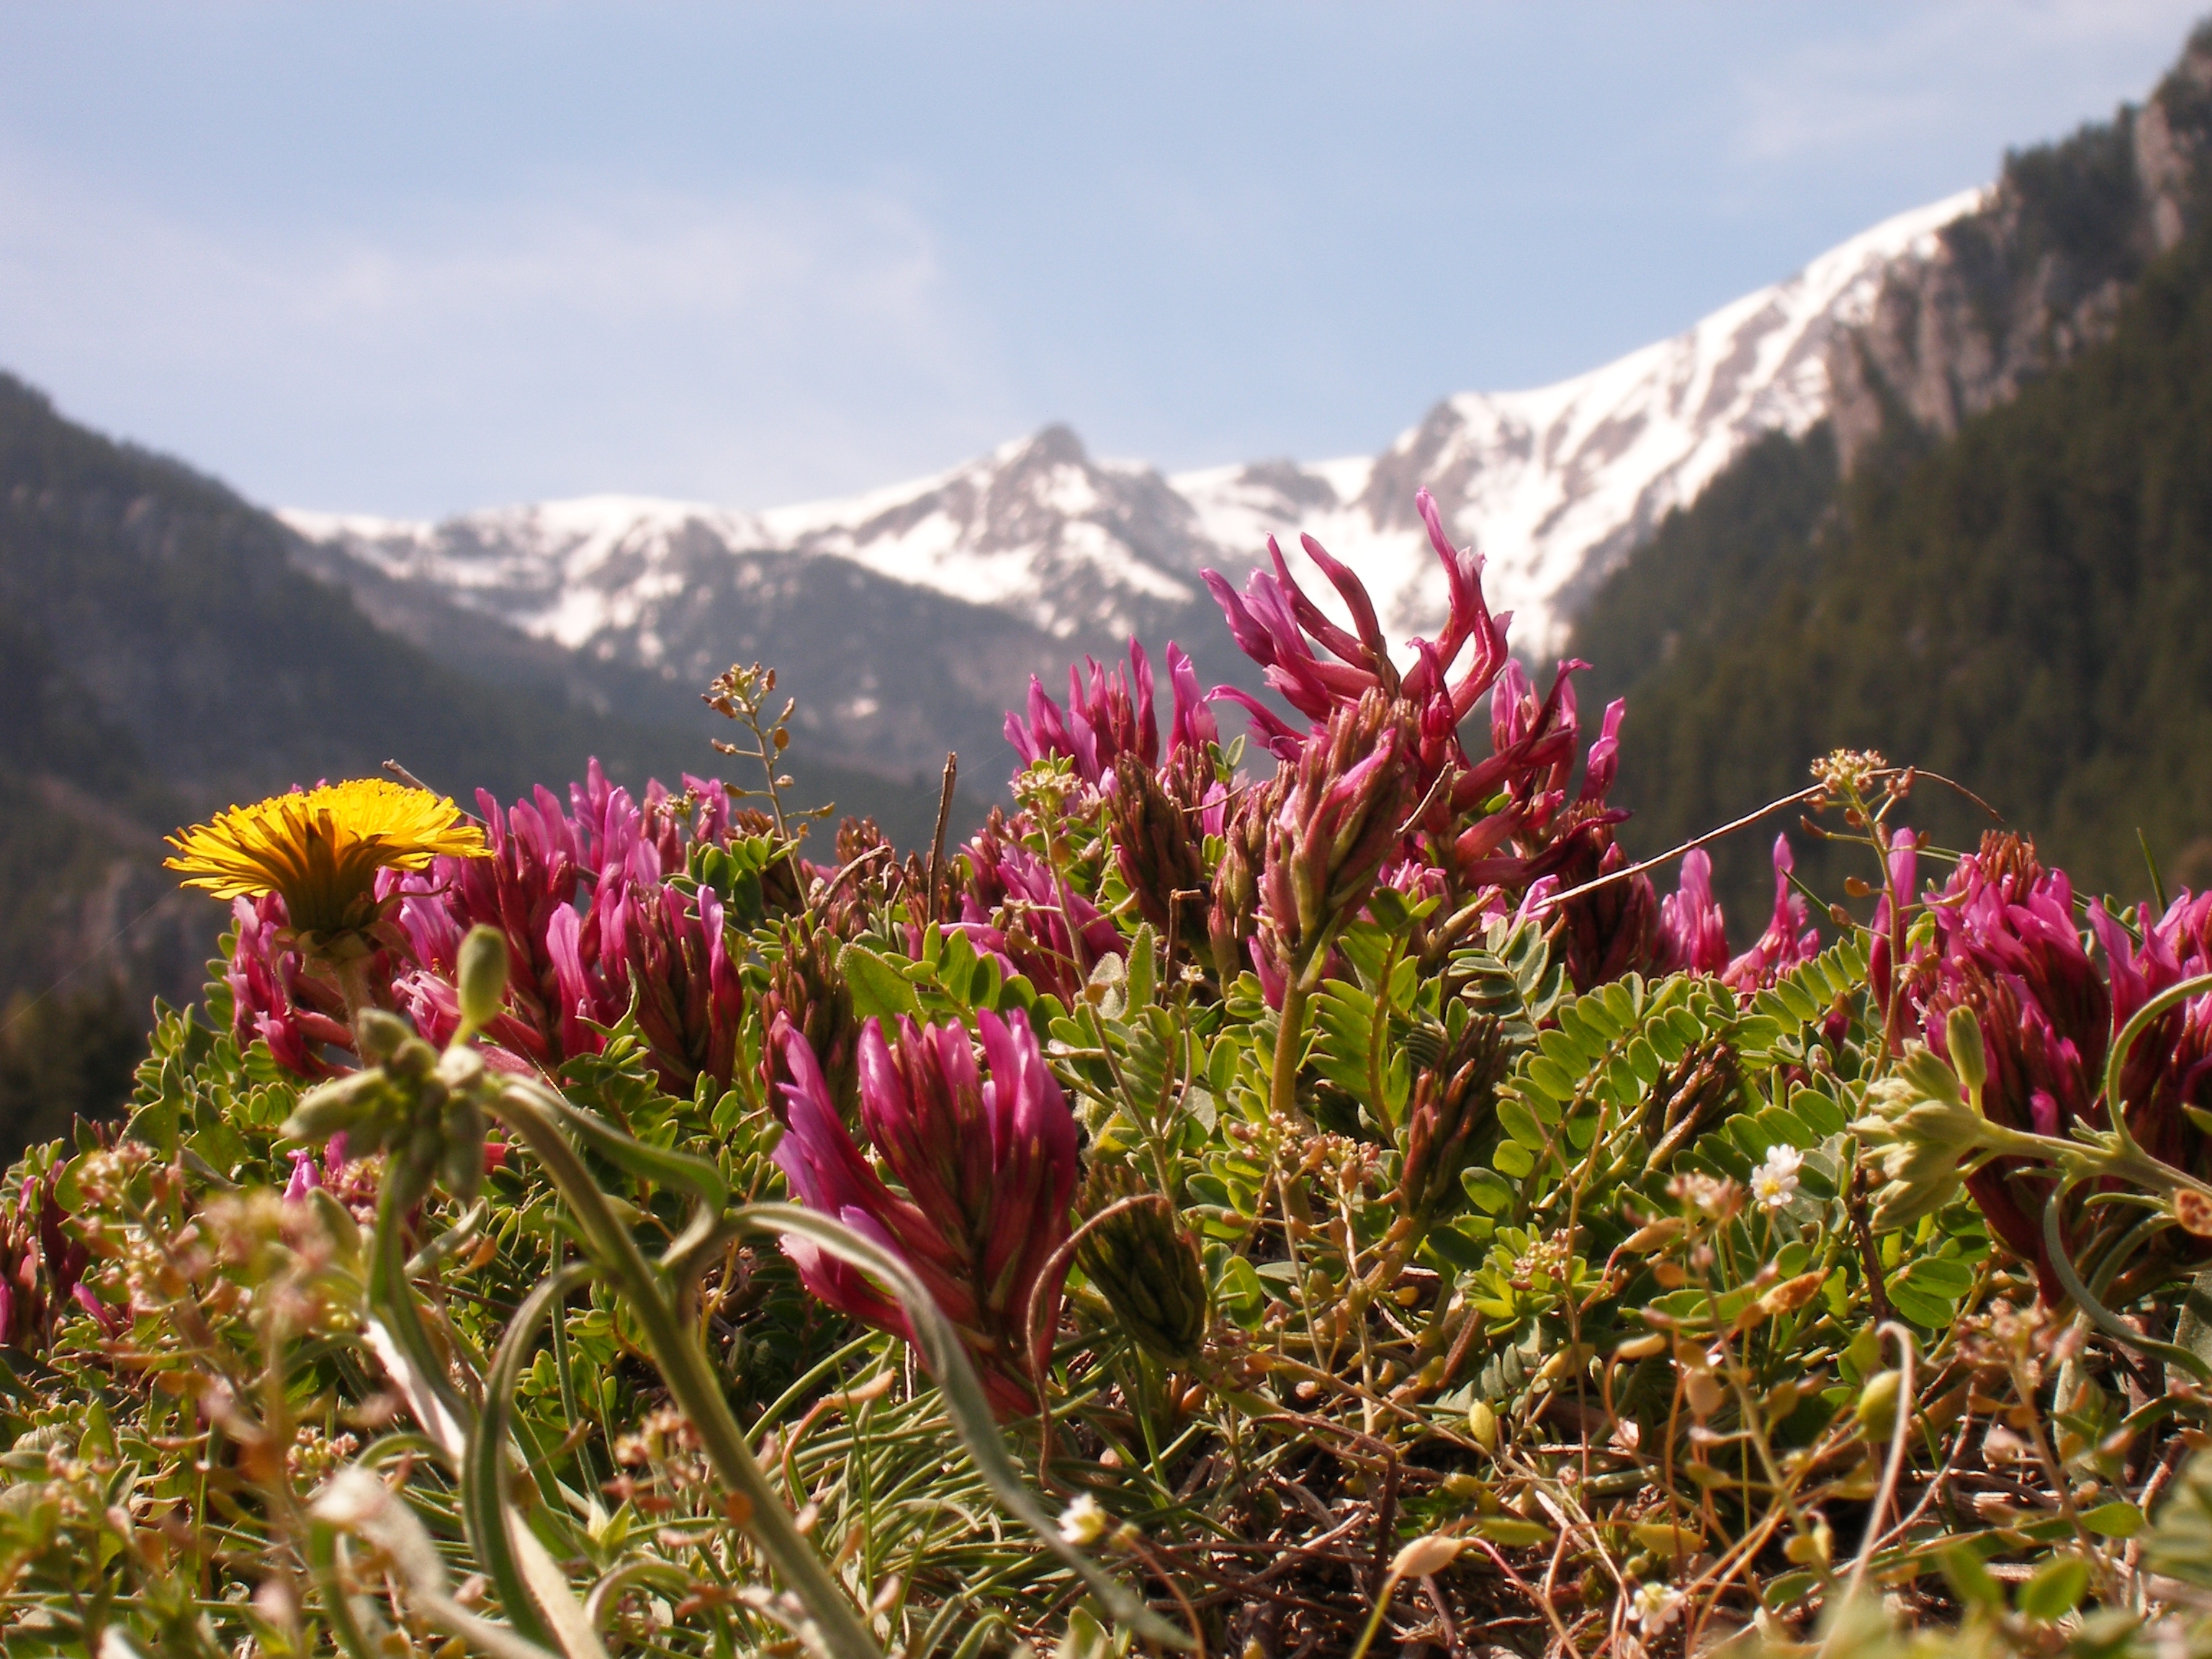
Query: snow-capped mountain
point(1038, 529)
point(1554, 485)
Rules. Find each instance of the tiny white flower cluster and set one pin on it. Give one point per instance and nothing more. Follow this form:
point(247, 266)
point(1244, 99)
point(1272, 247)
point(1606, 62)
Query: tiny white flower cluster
point(1656, 1606)
point(1086, 1520)
point(1774, 1182)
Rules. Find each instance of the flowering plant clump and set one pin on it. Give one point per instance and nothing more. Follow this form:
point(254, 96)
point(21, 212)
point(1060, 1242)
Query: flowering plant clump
point(1305, 1193)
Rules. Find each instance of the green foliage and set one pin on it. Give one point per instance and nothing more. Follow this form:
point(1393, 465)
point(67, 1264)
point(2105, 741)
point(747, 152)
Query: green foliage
point(1646, 1336)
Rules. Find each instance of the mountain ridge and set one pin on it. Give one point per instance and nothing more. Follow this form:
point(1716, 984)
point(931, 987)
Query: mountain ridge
point(1553, 483)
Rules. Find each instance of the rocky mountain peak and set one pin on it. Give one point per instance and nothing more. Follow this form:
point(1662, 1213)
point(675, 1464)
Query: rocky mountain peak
point(2019, 287)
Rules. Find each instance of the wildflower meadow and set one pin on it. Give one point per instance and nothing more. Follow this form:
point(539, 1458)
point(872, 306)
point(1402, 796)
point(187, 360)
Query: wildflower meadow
point(1309, 1193)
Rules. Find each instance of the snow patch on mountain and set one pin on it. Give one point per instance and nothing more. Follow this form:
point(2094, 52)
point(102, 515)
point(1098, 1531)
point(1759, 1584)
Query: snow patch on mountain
point(1554, 485)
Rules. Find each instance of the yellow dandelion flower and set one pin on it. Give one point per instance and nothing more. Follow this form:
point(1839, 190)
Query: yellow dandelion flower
point(322, 849)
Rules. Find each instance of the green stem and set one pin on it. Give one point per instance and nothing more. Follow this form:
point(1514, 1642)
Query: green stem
point(390, 1296)
point(2126, 1041)
point(690, 1379)
point(352, 975)
point(2124, 1160)
point(2054, 1246)
point(1375, 1617)
point(1290, 1039)
point(352, 1635)
point(484, 1506)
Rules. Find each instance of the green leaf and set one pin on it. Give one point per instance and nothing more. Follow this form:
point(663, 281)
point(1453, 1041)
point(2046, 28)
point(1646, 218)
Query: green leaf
point(1941, 1276)
point(1819, 1110)
point(1925, 1311)
point(1514, 1159)
point(1781, 1590)
point(988, 987)
point(1487, 1191)
point(2118, 1519)
point(155, 1125)
point(1387, 906)
point(2056, 1590)
point(880, 989)
point(1144, 966)
point(1239, 1294)
point(2193, 1331)
point(1150, 1067)
point(1577, 1033)
point(1456, 1248)
point(1750, 1134)
point(1571, 1056)
point(1521, 1123)
point(1552, 1078)
point(1970, 1579)
point(1643, 1059)
point(1663, 1540)
point(1787, 1129)
point(955, 968)
point(1346, 1040)
point(1512, 1531)
point(1624, 1000)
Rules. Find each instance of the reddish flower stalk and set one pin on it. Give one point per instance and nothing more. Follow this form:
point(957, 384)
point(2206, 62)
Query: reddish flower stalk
point(593, 924)
point(1276, 624)
point(988, 1160)
point(1791, 938)
point(275, 996)
point(1016, 908)
point(1693, 934)
point(1506, 821)
point(1342, 815)
point(42, 1268)
point(2006, 950)
point(1109, 720)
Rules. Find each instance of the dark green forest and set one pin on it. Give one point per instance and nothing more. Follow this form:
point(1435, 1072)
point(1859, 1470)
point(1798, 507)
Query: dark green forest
point(2022, 607)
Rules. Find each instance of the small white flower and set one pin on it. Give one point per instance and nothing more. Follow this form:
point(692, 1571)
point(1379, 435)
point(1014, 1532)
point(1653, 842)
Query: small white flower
point(1085, 1521)
point(1774, 1182)
point(1656, 1606)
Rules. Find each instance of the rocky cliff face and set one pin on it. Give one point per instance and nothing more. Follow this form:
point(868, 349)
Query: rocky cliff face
point(2005, 295)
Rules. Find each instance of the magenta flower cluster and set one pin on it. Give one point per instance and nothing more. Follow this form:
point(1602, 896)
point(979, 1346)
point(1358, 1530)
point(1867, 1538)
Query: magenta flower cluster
point(42, 1268)
point(987, 1156)
point(583, 892)
point(1109, 718)
point(1693, 935)
point(1514, 824)
point(2010, 944)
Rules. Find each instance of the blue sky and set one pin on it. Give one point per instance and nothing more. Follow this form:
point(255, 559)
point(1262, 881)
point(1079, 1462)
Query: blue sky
point(415, 259)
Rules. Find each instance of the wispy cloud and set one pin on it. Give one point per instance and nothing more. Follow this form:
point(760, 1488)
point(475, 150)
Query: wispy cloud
point(769, 346)
point(1892, 84)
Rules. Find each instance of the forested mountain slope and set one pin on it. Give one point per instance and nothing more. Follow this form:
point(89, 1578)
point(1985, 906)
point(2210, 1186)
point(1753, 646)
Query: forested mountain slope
point(2025, 606)
point(162, 655)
